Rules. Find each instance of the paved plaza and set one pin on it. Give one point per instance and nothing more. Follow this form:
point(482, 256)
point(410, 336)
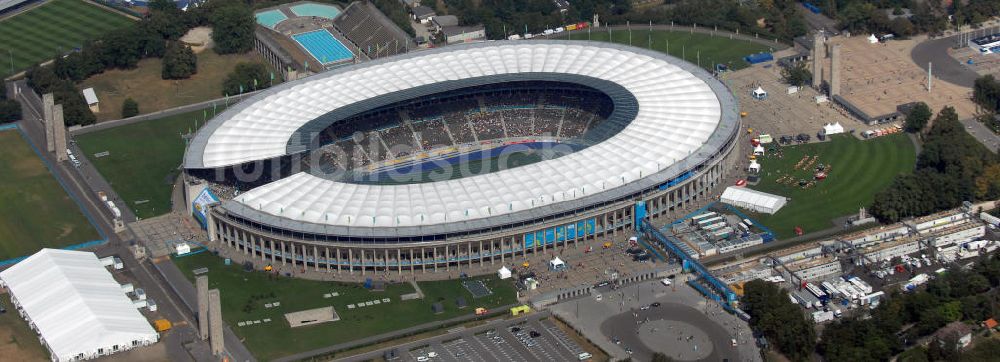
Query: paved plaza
point(878, 77)
point(617, 323)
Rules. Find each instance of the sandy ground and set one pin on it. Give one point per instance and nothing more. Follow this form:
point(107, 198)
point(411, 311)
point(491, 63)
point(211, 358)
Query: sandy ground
point(199, 39)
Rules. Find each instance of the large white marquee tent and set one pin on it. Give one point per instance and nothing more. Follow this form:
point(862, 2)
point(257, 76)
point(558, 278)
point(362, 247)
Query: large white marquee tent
point(753, 200)
point(76, 306)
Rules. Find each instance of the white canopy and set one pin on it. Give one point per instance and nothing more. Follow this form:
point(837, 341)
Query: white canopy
point(76, 306)
point(753, 200)
point(833, 128)
point(759, 150)
point(557, 263)
point(872, 39)
point(754, 166)
point(759, 92)
point(503, 273)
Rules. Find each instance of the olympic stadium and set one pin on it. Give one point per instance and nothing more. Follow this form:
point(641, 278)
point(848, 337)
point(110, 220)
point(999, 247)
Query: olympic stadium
point(461, 155)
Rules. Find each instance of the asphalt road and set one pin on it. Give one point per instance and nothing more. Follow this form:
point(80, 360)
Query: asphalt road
point(982, 134)
point(944, 66)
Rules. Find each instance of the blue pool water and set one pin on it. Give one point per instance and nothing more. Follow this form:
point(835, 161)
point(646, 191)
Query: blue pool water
point(323, 46)
point(270, 18)
point(323, 11)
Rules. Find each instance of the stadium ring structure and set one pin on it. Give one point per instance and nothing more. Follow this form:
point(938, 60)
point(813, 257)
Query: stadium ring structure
point(666, 144)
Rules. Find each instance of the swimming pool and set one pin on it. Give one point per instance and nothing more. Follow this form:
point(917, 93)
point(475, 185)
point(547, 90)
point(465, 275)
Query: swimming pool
point(323, 11)
point(270, 18)
point(323, 46)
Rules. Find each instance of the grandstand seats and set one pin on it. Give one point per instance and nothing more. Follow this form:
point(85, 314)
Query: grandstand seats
point(371, 31)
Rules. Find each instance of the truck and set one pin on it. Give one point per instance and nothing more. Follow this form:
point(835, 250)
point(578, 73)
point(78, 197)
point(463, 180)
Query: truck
point(103, 196)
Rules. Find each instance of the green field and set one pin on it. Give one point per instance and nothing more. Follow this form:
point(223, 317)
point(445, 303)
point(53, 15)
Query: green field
point(245, 293)
point(144, 158)
point(54, 28)
point(859, 170)
point(689, 46)
point(458, 170)
point(35, 211)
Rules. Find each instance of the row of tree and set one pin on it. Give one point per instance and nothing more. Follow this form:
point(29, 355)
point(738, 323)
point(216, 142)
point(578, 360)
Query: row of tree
point(155, 36)
point(952, 167)
point(906, 17)
point(781, 322)
point(986, 93)
point(10, 110)
point(778, 18)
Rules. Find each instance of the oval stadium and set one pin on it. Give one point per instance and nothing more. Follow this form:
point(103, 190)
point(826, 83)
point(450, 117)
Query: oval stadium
point(461, 156)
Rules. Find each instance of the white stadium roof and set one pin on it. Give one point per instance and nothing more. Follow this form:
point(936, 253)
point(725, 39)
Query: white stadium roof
point(678, 111)
point(75, 304)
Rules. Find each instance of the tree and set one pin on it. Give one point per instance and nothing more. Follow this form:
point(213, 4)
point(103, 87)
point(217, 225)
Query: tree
point(129, 108)
point(917, 119)
point(232, 28)
point(781, 322)
point(796, 74)
point(246, 77)
point(10, 110)
point(901, 26)
point(179, 62)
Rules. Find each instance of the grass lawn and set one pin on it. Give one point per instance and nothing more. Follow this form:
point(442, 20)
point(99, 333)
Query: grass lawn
point(35, 211)
point(56, 27)
point(153, 94)
point(713, 49)
point(144, 158)
point(17, 341)
point(859, 170)
point(245, 293)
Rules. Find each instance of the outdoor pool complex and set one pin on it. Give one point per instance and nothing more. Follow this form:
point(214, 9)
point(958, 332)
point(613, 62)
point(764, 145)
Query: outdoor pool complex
point(318, 10)
point(323, 46)
point(270, 18)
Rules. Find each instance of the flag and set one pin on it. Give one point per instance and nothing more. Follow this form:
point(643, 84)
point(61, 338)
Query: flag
point(204, 114)
point(241, 89)
point(272, 75)
point(255, 83)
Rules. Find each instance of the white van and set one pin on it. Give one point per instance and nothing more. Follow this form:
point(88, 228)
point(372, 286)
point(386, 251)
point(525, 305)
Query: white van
point(584, 356)
point(666, 282)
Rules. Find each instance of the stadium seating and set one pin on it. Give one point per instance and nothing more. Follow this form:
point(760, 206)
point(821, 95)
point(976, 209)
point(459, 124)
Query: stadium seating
point(371, 31)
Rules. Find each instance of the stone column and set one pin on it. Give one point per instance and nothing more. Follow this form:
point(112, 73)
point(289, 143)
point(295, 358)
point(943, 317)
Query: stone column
point(215, 322)
point(59, 132)
point(48, 101)
point(818, 55)
point(835, 70)
point(201, 284)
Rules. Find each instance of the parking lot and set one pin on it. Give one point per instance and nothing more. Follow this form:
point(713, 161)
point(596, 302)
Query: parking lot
point(531, 340)
point(534, 337)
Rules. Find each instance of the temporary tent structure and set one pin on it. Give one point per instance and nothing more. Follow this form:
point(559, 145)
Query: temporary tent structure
point(503, 273)
point(833, 128)
point(753, 200)
point(754, 166)
point(557, 264)
point(759, 93)
point(872, 39)
point(759, 150)
point(75, 305)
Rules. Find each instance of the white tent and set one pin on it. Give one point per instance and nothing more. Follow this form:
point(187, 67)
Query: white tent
point(833, 128)
point(503, 273)
point(754, 167)
point(753, 200)
point(759, 150)
point(759, 93)
point(75, 305)
point(872, 39)
point(557, 264)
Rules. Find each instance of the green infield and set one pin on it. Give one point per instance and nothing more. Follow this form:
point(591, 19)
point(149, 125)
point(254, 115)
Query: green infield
point(693, 47)
point(856, 170)
point(54, 28)
point(244, 295)
point(143, 158)
point(35, 211)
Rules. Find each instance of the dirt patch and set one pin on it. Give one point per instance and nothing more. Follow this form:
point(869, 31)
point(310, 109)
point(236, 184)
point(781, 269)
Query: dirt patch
point(199, 39)
point(17, 342)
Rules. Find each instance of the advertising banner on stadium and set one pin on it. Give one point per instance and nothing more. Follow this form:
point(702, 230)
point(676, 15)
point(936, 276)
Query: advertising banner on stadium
point(560, 234)
point(200, 204)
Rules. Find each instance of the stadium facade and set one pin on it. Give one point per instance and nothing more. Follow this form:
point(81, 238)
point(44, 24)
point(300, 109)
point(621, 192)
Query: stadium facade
point(665, 141)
